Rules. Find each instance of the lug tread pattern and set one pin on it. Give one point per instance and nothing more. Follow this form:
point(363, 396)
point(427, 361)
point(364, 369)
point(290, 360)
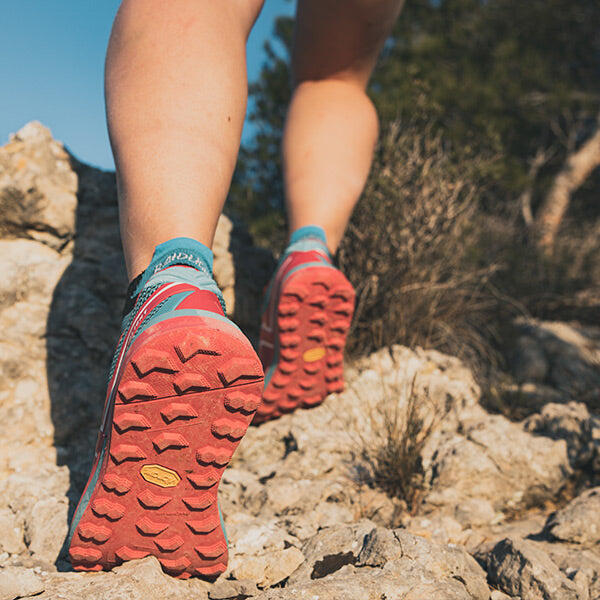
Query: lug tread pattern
point(313, 312)
point(184, 401)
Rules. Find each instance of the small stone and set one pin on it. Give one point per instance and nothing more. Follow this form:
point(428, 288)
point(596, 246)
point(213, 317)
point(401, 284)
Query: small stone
point(230, 589)
point(267, 569)
point(520, 568)
point(17, 583)
point(475, 512)
point(578, 522)
point(573, 423)
point(47, 527)
point(11, 540)
point(330, 549)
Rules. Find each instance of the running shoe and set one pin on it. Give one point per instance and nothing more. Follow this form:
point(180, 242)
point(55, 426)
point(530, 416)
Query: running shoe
point(183, 387)
point(308, 310)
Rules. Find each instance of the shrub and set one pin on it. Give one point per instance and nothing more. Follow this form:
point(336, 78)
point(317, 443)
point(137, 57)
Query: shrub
point(413, 251)
point(438, 262)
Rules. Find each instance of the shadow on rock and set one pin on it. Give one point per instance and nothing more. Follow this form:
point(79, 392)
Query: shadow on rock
point(83, 324)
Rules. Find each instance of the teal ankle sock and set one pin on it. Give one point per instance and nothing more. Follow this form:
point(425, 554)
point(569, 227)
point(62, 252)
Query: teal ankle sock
point(177, 251)
point(182, 251)
point(310, 237)
point(309, 231)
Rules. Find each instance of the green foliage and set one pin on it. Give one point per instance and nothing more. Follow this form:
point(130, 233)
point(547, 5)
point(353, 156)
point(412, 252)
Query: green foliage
point(500, 77)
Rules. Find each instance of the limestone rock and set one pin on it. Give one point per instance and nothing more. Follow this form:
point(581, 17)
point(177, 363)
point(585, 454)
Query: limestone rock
point(47, 527)
point(11, 537)
point(573, 423)
point(563, 355)
point(232, 590)
point(580, 564)
point(579, 521)
point(18, 583)
point(394, 550)
point(498, 461)
point(39, 187)
point(355, 584)
point(520, 568)
point(266, 569)
point(330, 549)
point(135, 580)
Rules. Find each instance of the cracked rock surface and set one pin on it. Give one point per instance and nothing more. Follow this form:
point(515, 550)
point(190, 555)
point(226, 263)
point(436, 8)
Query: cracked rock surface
point(501, 512)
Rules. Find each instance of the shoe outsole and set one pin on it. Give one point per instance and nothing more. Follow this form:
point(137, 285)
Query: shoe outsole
point(186, 397)
point(314, 313)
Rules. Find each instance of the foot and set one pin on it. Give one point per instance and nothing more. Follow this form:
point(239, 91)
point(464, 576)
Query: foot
point(184, 385)
point(308, 310)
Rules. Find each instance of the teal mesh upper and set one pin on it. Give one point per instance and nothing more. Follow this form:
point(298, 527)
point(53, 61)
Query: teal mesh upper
point(170, 264)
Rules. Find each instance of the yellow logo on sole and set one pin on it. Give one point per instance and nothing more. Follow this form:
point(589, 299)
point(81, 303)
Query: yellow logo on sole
point(314, 354)
point(160, 475)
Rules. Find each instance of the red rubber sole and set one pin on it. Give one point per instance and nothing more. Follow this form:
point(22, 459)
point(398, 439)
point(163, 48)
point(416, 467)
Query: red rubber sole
point(314, 313)
point(186, 397)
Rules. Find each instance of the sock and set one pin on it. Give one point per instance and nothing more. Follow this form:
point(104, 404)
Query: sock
point(181, 251)
point(310, 237)
point(177, 251)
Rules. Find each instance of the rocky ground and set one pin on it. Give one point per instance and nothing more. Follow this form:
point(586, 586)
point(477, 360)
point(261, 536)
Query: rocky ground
point(507, 509)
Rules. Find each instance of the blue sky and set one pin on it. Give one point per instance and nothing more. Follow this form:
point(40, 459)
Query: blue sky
point(51, 68)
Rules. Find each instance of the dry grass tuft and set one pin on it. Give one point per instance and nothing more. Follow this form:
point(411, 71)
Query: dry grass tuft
point(390, 456)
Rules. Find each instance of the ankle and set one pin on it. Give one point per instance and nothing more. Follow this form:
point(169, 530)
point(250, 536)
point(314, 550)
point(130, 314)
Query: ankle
point(309, 237)
point(177, 252)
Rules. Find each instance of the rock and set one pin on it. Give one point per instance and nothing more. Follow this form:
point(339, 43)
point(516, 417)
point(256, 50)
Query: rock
point(579, 521)
point(39, 187)
point(520, 568)
point(573, 423)
point(330, 549)
point(474, 512)
point(497, 461)
point(571, 353)
point(135, 580)
point(47, 528)
point(393, 565)
point(252, 535)
point(18, 583)
point(232, 590)
point(11, 539)
point(437, 527)
point(266, 569)
point(581, 565)
point(392, 550)
point(356, 584)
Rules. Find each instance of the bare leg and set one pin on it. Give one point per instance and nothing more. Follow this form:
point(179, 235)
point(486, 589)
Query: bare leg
point(332, 126)
point(176, 96)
